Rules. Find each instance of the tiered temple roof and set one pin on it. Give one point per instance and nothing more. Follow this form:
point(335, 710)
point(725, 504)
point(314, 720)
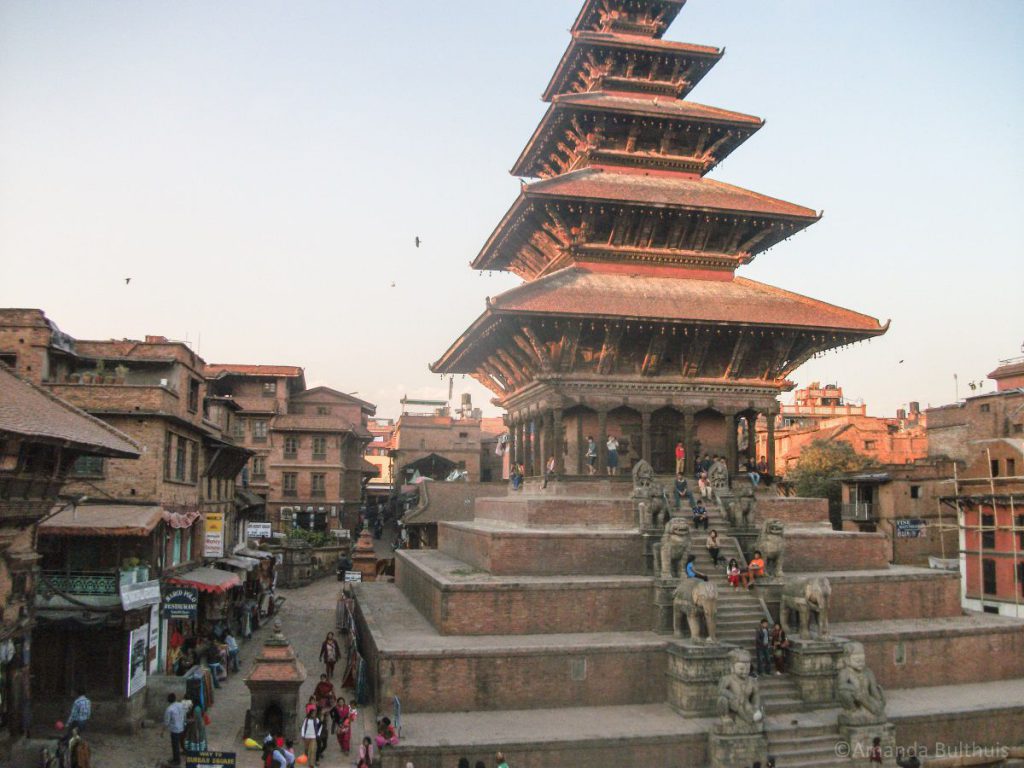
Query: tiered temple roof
point(628, 251)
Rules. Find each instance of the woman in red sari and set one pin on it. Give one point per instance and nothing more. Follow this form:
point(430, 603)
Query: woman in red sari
point(345, 715)
point(324, 692)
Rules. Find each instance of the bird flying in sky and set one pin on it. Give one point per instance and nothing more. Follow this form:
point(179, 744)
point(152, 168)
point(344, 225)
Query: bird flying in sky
point(418, 241)
point(127, 280)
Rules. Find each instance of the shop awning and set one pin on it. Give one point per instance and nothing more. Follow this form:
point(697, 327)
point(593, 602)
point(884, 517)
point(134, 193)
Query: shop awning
point(240, 562)
point(103, 520)
point(257, 553)
point(206, 580)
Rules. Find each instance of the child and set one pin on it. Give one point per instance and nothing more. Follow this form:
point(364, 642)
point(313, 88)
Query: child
point(733, 573)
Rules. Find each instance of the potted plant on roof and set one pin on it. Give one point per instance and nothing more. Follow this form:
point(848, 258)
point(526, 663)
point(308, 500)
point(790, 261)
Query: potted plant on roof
point(141, 572)
point(120, 373)
point(101, 372)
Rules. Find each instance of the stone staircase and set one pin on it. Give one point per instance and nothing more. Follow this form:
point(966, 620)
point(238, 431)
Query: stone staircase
point(805, 746)
point(779, 694)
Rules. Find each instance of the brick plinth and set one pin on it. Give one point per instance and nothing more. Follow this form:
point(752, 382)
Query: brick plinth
point(505, 551)
point(914, 593)
point(460, 601)
point(820, 548)
point(558, 510)
point(792, 510)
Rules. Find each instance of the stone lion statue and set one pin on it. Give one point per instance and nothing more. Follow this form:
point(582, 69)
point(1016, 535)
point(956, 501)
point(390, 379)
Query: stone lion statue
point(695, 598)
point(806, 595)
point(671, 553)
point(772, 544)
point(739, 700)
point(859, 693)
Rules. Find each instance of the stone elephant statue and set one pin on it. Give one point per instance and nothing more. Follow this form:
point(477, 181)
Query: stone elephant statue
point(675, 546)
point(806, 595)
point(771, 543)
point(694, 598)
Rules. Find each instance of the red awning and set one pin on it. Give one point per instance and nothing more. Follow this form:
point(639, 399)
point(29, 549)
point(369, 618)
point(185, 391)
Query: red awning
point(206, 580)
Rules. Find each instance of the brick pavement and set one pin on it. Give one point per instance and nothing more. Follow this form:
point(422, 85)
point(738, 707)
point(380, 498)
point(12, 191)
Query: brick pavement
point(308, 614)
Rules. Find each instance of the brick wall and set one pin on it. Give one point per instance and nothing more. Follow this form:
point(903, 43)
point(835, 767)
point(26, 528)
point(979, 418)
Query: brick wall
point(987, 727)
point(929, 595)
point(827, 550)
point(792, 510)
point(532, 510)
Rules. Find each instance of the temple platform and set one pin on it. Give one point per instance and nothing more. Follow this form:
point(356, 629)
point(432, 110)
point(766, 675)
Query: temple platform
point(559, 510)
point(654, 735)
point(905, 653)
point(505, 549)
point(432, 672)
point(460, 600)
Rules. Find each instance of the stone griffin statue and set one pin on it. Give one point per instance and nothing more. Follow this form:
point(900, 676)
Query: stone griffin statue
point(739, 701)
point(772, 544)
point(694, 598)
point(650, 497)
point(806, 595)
point(671, 553)
point(860, 695)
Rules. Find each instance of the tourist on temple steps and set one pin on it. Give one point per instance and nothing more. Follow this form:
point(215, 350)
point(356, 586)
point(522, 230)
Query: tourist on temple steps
point(704, 465)
point(732, 573)
point(680, 489)
point(591, 456)
point(691, 569)
point(763, 646)
point(549, 470)
point(703, 485)
point(700, 516)
point(779, 645)
point(613, 455)
point(330, 652)
point(762, 470)
point(680, 459)
point(516, 476)
point(713, 546)
point(755, 477)
point(755, 569)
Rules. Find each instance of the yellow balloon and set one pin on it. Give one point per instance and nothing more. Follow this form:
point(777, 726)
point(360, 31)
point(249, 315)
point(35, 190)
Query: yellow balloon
point(251, 744)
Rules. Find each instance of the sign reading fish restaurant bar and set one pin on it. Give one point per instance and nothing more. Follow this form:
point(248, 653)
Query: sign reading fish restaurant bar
point(208, 759)
point(213, 545)
point(181, 603)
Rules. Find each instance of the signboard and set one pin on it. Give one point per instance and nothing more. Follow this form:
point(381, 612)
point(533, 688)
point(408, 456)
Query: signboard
point(259, 530)
point(140, 595)
point(210, 759)
point(353, 576)
point(154, 638)
point(138, 659)
point(912, 528)
point(213, 545)
point(181, 603)
point(341, 533)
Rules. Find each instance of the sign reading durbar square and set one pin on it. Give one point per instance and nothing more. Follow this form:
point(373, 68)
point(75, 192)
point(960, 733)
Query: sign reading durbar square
point(210, 759)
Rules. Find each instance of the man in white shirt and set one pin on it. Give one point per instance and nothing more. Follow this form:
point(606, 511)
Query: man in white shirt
point(174, 724)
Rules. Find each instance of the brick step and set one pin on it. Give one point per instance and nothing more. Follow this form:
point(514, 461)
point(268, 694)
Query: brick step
point(811, 762)
point(778, 706)
point(778, 733)
point(804, 746)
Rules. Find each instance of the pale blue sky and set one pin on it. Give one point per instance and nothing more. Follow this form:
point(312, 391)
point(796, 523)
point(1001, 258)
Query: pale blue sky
point(260, 170)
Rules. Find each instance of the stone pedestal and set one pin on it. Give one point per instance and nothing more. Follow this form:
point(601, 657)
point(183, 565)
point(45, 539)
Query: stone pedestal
point(813, 665)
point(364, 558)
point(664, 591)
point(694, 670)
point(859, 737)
point(727, 750)
point(652, 539)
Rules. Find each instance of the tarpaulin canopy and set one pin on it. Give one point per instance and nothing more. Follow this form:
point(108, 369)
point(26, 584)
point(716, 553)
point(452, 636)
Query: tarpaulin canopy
point(239, 561)
point(103, 520)
point(257, 553)
point(206, 580)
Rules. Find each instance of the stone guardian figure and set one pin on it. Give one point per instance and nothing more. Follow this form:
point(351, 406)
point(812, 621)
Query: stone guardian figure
point(739, 701)
point(859, 694)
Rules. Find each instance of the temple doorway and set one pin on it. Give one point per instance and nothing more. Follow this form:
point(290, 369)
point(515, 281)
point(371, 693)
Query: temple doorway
point(666, 431)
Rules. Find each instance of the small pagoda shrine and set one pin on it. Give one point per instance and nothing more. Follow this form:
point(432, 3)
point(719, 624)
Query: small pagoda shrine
point(632, 321)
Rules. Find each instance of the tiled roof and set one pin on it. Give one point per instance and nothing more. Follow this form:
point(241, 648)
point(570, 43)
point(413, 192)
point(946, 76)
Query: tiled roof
point(583, 291)
point(673, 191)
point(300, 422)
point(589, 13)
point(223, 369)
point(660, 106)
point(1008, 369)
point(28, 410)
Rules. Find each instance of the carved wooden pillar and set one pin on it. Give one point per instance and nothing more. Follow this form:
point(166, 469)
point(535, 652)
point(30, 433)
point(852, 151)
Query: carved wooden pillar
point(581, 445)
point(602, 441)
point(645, 436)
point(770, 448)
point(517, 432)
point(529, 444)
point(557, 436)
point(689, 440)
point(730, 442)
point(538, 447)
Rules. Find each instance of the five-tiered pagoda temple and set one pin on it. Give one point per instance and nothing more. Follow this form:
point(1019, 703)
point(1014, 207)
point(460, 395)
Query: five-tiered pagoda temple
point(632, 320)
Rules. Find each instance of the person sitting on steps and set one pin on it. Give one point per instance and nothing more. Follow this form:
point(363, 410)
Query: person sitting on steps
point(700, 516)
point(691, 570)
point(755, 569)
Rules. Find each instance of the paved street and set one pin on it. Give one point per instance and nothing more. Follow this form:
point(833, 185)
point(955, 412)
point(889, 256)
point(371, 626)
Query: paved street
point(307, 616)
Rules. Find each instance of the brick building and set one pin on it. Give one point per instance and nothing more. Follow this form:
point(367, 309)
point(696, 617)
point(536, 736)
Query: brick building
point(41, 439)
point(431, 440)
point(378, 453)
point(822, 413)
point(308, 444)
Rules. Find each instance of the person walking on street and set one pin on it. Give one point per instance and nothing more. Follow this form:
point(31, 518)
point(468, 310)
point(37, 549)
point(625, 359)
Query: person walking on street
point(195, 730)
point(174, 724)
point(763, 646)
point(232, 644)
point(365, 759)
point(321, 733)
point(591, 457)
point(330, 652)
point(309, 732)
point(81, 711)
